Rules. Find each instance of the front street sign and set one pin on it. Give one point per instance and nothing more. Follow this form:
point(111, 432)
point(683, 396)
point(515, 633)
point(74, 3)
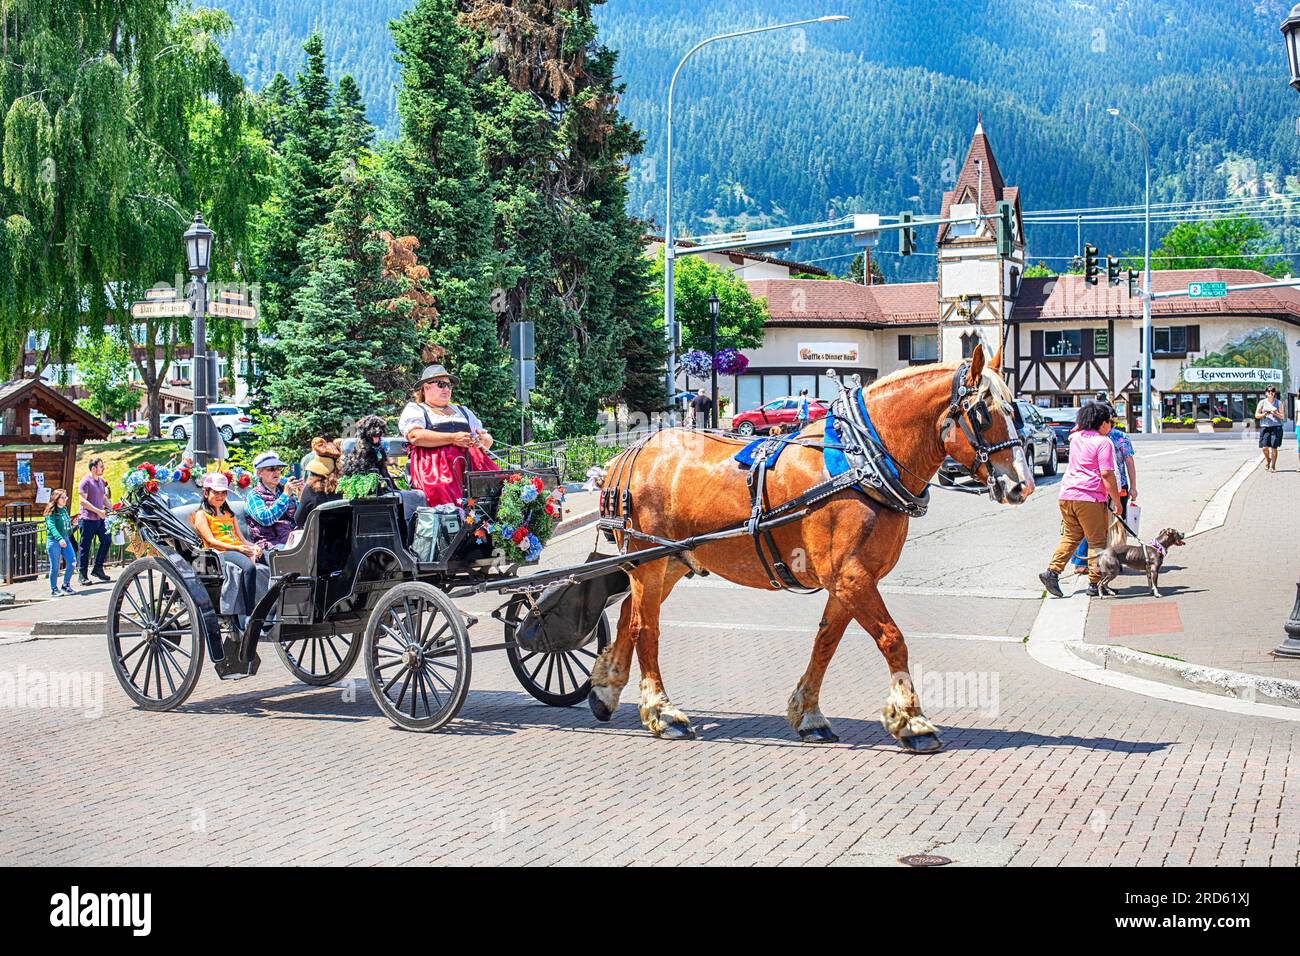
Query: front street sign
point(1207, 290)
point(160, 308)
point(232, 310)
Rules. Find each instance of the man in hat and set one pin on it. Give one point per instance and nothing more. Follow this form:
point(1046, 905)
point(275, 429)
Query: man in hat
point(271, 503)
point(444, 439)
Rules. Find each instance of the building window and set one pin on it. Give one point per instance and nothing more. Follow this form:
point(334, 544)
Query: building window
point(1063, 344)
point(1175, 340)
point(968, 342)
point(918, 349)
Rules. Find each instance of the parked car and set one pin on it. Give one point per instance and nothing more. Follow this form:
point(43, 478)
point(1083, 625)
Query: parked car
point(231, 421)
point(1061, 421)
point(1037, 435)
point(42, 426)
point(778, 413)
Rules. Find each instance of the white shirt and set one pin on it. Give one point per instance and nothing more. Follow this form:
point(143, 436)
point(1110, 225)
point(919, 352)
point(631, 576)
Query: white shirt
point(413, 417)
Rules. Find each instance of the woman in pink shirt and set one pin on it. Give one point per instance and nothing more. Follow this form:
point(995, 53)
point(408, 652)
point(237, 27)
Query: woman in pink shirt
point(1089, 480)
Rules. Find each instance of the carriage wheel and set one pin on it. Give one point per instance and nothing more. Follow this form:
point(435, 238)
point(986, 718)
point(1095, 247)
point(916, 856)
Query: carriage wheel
point(154, 639)
point(558, 678)
point(417, 656)
point(320, 660)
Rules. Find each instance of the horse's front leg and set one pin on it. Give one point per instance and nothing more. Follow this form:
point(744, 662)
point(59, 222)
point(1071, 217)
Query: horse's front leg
point(803, 710)
point(902, 715)
point(658, 714)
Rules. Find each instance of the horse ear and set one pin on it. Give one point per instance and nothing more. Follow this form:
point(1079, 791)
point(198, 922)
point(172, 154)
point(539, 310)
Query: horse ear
point(996, 364)
point(976, 366)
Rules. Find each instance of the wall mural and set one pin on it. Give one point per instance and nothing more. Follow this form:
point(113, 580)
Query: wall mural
point(1258, 348)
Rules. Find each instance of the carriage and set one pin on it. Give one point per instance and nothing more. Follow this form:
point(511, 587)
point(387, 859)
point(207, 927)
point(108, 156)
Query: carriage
point(354, 586)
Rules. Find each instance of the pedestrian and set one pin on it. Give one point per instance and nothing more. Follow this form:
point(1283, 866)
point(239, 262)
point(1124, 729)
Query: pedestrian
point(1089, 480)
point(801, 419)
point(58, 541)
point(703, 406)
point(1126, 472)
point(272, 503)
point(93, 520)
point(1269, 415)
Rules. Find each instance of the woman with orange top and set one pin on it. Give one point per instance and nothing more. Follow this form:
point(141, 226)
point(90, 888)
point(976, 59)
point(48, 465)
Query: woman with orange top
point(245, 577)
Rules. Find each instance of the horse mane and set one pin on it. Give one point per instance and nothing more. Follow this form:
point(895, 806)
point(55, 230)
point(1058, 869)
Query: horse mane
point(910, 372)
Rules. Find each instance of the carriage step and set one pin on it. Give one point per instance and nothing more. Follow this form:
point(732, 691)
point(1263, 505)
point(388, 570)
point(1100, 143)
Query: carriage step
point(470, 619)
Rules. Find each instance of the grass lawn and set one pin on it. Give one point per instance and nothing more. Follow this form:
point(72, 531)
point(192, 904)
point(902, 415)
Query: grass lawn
point(121, 457)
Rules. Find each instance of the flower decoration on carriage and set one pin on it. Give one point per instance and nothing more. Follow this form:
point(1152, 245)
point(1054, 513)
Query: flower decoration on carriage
point(525, 518)
point(697, 364)
point(728, 361)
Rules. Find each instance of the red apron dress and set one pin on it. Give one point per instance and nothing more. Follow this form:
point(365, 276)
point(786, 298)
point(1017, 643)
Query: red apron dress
point(440, 472)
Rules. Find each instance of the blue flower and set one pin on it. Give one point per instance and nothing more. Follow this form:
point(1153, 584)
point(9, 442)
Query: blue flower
point(163, 475)
point(529, 494)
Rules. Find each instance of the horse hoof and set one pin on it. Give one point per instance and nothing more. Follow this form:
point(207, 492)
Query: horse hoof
point(675, 731)
point(599, 708)
point(921, 743)
point(819, 735)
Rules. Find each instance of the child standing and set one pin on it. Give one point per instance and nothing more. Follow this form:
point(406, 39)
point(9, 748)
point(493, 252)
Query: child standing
point(58, 541)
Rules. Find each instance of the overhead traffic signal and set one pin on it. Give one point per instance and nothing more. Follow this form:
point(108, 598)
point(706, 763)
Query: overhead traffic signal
point(1004, 228)
point(906, 235)
point(1132, 282)
point(1112, 270)
point(1090, 269)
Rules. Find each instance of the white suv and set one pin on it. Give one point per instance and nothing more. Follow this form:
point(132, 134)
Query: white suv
point(231, 420)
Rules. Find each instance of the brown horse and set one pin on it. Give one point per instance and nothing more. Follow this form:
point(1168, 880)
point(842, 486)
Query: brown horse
point(685, 483)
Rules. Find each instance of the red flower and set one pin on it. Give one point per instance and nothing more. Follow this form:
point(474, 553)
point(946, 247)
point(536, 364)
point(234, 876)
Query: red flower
point(519, 535)
point(537, 483)
point(151, 485)
point(183, 474)
point(116, 505)
point(244, 480)
point(479, 534)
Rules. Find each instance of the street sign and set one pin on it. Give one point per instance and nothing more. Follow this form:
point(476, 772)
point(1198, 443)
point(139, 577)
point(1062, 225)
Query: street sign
point(1201, 374)
point(1207, 290)
point(162, 292)
point(161, 308)
point(232, 310)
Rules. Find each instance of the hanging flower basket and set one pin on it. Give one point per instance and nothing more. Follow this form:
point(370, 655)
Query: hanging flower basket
point(730, 362)
point(697, 364)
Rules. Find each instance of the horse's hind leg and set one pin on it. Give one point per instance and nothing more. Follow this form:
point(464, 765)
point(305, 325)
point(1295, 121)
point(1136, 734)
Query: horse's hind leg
point(658, 714)
point(802, 711)
point(902, 715)
point(610, 672)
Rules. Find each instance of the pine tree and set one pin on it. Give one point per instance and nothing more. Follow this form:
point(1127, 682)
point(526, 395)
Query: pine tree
point(276, 100)
point(438, 191)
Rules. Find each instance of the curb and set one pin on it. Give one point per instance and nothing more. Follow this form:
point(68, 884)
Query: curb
point(75, 626)
point(575, 523)
point(1251, 688)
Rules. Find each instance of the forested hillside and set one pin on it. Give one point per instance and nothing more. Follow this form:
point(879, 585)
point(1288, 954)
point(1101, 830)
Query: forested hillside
point(875, 113)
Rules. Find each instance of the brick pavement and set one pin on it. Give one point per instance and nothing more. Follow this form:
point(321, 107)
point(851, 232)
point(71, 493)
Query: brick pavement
point(1227, 592)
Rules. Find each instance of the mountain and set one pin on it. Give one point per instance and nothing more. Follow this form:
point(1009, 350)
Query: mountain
point(875, 113)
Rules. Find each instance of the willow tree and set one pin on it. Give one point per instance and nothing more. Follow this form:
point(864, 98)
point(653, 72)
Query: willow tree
point(120, 119)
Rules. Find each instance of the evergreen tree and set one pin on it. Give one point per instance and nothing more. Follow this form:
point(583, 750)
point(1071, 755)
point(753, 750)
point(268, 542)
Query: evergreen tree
point(855, 271)
point(438, 191)
point(276, 100)
point(1235, 242)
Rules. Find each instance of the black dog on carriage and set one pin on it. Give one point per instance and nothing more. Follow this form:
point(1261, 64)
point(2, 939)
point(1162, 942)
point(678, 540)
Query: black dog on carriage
point(369, 454)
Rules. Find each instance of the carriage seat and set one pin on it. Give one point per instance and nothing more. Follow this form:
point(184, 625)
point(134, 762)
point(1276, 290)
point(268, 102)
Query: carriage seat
point(186, 514)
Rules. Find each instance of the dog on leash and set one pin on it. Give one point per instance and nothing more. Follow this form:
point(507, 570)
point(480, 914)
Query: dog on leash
point(1139, 557)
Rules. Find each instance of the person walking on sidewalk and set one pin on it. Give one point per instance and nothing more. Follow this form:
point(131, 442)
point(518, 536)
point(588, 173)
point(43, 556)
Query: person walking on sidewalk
point(703, 406)
point(93, 491)
point(58, 541)
point(1126, 472)
point(1089, 480)
point(1269, 415)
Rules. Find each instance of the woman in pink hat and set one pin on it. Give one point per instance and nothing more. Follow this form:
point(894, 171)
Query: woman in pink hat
point(245, 577)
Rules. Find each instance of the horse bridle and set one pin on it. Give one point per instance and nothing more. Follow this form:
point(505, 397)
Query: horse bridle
point(972, 415)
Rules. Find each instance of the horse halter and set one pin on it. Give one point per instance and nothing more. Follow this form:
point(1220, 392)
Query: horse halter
point(972, 415)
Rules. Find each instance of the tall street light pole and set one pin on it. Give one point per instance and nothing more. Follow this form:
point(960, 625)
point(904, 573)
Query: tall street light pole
point(713, 350)
point(670, 312)
point(1146, 280)
point(198, 256)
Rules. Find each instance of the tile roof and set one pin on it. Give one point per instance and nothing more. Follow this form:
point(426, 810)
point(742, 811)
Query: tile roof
point(803, 302)
point(1069, 297)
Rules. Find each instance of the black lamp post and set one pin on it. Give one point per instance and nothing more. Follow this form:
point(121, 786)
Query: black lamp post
point(1291, 646)
point(198, 257)
point(713, 351)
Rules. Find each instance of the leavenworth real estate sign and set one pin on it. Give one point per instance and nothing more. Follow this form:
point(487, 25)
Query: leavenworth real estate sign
point(1201, 374)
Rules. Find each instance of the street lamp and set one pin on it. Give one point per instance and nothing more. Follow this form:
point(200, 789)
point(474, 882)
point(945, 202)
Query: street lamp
point(198, 258)
point(1290, 27)
point(713, 350)
point(669, 251)
point(1146, 279)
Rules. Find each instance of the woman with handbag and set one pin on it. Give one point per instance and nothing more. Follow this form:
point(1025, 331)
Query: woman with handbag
point(445, 440)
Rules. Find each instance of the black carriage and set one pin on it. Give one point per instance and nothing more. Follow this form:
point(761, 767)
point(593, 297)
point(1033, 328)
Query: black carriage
point(353, 585)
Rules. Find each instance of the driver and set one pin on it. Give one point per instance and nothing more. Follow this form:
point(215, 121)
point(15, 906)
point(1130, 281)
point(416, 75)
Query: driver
point(445, 440)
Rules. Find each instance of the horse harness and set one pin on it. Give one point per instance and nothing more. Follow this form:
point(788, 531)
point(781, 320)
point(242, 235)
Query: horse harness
point(871, 470)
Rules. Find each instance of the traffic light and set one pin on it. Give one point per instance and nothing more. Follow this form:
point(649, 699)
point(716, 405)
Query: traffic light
point(1005, 228)
point(1132, 282)
point(1090, 269)
point(906, 235)
point(1112, 270)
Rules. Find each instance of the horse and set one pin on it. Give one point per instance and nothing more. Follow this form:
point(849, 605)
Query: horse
point(685, 483)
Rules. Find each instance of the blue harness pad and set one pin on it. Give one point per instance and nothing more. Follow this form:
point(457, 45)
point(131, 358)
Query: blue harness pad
point(746, 455)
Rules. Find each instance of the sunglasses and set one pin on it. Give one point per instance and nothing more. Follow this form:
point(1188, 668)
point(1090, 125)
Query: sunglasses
point(441, 383)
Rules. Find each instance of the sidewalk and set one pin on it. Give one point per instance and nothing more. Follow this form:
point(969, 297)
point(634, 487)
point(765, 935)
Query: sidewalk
point(1227, 592)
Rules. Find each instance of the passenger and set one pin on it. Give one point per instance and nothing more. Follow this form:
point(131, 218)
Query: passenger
point(322, 480)
point(245, 577)
point(445, 440)
point(272, 502)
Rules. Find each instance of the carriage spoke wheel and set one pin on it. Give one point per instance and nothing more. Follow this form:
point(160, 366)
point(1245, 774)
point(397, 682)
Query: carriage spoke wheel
point(154, 635)
point(557, 678)
point(321, 660)
point(417, 656)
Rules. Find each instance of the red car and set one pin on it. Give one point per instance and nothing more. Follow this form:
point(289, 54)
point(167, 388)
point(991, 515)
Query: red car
point(780, 413)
